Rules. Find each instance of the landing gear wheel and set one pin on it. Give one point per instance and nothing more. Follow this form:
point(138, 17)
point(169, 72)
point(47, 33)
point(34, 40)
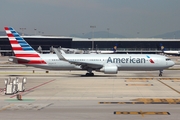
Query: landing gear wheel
point(89, 74)
point(160, 73)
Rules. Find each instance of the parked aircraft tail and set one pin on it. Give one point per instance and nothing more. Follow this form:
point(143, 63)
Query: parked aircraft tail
point(115, 48)
point(162, 47)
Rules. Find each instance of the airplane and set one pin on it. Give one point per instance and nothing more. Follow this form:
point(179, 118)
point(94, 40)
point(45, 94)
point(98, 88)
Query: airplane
point(105, 52)
point(77, 51)
point(111, 64)
point(106, 63)
point(73, 51)
point(170, 52)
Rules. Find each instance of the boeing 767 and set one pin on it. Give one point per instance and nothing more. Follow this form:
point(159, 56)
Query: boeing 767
point(106, 63)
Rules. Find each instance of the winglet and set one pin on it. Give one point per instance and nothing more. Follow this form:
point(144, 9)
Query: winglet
point(59, 54)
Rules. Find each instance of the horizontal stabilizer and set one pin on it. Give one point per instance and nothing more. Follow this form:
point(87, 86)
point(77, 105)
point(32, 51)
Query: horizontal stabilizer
point(18, 60)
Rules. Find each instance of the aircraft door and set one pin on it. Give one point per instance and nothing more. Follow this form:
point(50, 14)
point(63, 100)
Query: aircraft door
point(154, 61)
point(166, 62)
point(157, 61)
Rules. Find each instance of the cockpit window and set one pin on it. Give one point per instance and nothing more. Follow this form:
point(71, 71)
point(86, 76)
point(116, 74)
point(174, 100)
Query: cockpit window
point(167, 59)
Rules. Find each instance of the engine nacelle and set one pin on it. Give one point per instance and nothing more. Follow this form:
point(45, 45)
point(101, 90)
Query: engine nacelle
point(109, 69)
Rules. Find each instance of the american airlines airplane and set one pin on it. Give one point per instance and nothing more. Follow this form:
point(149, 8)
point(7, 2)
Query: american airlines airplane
point(106, 63)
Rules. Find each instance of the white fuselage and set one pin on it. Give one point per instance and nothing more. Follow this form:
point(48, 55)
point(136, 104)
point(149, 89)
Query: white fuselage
point(122, 61)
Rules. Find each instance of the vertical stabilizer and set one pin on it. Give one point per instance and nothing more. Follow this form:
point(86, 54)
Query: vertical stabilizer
point(22, 50)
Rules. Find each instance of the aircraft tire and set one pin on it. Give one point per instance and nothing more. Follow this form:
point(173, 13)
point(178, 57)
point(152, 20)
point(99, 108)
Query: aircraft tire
point(89, 74)
point(160, 75)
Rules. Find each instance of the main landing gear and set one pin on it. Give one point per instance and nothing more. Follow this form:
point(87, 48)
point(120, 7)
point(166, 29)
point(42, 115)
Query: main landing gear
point(89, 72)
point(160, 73)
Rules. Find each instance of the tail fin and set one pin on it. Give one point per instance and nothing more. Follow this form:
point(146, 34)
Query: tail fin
point(162, 47)
point(115, 48)
point(21, 49)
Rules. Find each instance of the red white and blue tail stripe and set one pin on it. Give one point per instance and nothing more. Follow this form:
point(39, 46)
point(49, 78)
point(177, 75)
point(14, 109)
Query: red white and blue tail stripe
point(23, 52)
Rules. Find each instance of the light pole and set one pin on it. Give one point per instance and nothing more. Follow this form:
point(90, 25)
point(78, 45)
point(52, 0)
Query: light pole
point(35, 31)
point(92, 26)
point(22, 30)
point(108, 31)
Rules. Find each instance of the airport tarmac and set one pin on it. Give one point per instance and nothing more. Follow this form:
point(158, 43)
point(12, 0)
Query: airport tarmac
point(54, 95)
point(132, 95)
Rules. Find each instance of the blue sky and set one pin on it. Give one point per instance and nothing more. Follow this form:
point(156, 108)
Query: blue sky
point(132, 18)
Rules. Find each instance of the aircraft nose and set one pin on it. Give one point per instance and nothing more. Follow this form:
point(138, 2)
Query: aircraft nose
point(172, 63)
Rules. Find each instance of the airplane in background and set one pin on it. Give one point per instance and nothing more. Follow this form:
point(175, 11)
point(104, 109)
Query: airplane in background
point(77, 51)
point(72, 51)
point(106, 63)
point(170, 52)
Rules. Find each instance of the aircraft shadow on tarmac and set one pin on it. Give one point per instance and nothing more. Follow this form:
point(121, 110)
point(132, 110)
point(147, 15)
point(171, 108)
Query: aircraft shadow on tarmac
point(78, 75)
point(14, 75)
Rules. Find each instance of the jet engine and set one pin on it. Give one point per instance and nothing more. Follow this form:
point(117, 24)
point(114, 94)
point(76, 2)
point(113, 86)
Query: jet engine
point(109, 69)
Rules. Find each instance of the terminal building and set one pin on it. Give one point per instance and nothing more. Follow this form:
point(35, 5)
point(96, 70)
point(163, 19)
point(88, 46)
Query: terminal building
point(124, 45)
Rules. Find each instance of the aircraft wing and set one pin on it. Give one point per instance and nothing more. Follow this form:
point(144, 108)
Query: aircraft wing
point(59, 54)
point(79, 63)
point(86, 64)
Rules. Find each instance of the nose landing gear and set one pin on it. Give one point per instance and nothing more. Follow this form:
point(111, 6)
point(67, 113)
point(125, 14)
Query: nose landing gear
point(160, 73)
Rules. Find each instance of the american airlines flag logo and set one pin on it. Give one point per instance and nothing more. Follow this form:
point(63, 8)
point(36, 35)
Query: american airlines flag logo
point(22, 49)
point(150, 60)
